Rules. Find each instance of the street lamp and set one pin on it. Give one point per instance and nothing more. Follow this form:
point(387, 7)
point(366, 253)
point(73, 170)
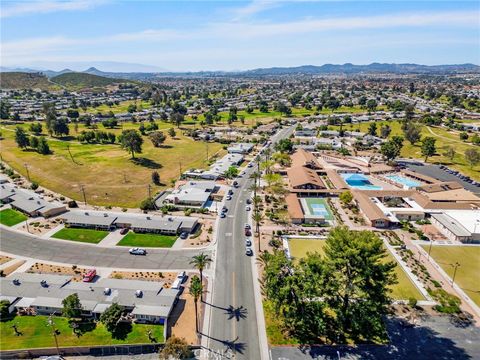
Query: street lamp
point(430, 249)
point(54, 331)
point(456, 265)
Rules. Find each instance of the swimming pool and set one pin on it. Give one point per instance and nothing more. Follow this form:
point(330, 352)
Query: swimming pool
point(359, 181)
point(403, 181)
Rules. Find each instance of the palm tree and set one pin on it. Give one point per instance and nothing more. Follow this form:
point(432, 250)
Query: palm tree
point(196, 290)
point(258, 217)
point(200, 262)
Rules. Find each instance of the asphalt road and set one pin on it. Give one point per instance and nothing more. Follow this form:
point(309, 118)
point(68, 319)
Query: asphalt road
point(233, 323)
point(435, 338)
point(76, 253)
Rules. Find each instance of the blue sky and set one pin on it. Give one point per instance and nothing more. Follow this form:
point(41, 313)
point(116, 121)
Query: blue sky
point(235, 35)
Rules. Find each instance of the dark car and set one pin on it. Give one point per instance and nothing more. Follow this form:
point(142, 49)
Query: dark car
point(124, 231)
point(248, 232)
point(248, 251)
point(183, 235)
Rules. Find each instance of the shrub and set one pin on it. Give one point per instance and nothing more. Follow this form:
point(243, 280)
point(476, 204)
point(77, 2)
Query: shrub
point(72, 204)
point(34, 186)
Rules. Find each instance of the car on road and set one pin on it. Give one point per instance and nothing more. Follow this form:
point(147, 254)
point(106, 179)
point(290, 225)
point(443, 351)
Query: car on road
point(250, 165)
point(224, 209)
point(223, 215)
point(248, 201)
point(248, 242)
point(184, 235)
point(228, 198)
point(248, 251)
point(89, 276)
point(235, 184)
point(123, 231)
point(230, 192)
point(247, 208)
point(137, 251)
point(247, 226)
point(248, 232)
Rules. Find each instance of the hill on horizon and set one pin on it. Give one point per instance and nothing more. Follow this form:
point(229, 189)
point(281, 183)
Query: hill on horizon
point(83, 80)
point(26, 80)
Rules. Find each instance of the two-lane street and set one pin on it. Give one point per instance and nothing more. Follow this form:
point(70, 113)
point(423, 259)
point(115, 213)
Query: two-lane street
point(233, 324)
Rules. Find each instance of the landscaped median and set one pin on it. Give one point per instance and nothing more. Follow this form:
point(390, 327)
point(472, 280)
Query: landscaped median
point(10, 217)
point(147, 240)
point(36, 333)
point(82, 235)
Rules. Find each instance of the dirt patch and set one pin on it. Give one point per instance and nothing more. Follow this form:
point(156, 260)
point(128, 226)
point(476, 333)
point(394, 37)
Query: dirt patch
point(166, 277)
point(10, 269)
point(203, 235)
point(4, 259)
point(182, 319)
point(40, 226)
point(76, 272)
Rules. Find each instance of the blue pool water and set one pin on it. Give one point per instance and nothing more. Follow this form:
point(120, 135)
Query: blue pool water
point(359, 181)
point(403, 180)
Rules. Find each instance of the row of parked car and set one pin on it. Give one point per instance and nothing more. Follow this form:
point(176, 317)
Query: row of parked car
point(459, 175)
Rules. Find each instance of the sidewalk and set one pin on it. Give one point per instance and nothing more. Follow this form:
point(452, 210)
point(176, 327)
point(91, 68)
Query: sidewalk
point(439, 275)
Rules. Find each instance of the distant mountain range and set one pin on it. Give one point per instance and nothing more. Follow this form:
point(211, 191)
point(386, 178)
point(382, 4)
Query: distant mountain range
point(374, 68)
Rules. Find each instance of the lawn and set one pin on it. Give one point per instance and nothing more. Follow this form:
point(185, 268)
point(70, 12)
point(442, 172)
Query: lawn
point(273, 326)
point(117, 109)
point(36, 334)
point(403, 290)
point(467, 276)
point(10, 217)
point(444, 138)
point(82, 235)
point(107, 173)
point(147, 240)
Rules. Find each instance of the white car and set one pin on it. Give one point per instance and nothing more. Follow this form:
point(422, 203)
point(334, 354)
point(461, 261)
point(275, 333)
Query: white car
point(248, 242)
point(229, 197)
point(137, 251)
point(247, 208)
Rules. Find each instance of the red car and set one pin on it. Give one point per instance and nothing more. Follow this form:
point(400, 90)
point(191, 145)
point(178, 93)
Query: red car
point(90, 275)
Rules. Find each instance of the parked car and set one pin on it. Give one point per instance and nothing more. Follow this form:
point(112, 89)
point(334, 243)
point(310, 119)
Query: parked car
point(223, 215)
point(249, 201)
point(90, 275)
point(248, 232)
point(137, 251)
point(184, 235)
point(224, 209)
point(247, 208)
point(248, 242)
point(124, 231)
point(250, 165)
point(247, 226)
point(182, 276)
point(228, 198)
point(235, 184)
point(230, 192)
point(248, 251)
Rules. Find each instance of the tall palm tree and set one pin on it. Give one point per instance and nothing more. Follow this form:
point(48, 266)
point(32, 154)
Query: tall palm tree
point(196, 290)
point(200, 262)
point(258, 217)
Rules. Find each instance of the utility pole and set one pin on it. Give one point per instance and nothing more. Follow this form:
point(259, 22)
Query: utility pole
point(83, 192)
point(456, 265)
point(429, 249)
point(180, 169)
point(149, 191)
point(28, 173)
point(54, 332)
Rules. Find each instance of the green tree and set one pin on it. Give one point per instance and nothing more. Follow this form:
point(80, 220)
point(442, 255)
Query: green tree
point(4, 305)
point(463, 136)
point(450, 153)
point(346, 197)
point(372, 129)
point(35, 128)
point(231, 172)
point(50, 113)
point(172, 133)
point(391, 149)
point(284, 146)
point(156, 177)
point(428, 147)
point(147, 204)
point(472, 156)
point(177, 118)
point(175, 348)
point(200, 262)
point(371, 105)
point(4, 110)
point(131, 141)
point(111, 317)
point(157, 138)
point(21, 138)
point(43, 147)
point(413, 133)
point(132, 108)
point(196, 290)
point(385, 131)
point(72, 307)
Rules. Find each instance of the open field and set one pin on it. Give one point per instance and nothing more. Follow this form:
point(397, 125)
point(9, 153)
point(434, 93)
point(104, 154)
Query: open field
point(467, 276)
point(107, 173)
point(10, 217)
point(444, 139)
point(403, 290)
point(82, 235)
point(147, 240)
point(117, 109)
point(37, 334)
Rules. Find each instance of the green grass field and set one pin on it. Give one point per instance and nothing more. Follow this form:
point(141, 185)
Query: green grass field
point(467, 276)
point(10, 217)
point(82, 235)
point(37, 334)
point(403, 290)
point(107, 173)
point(147, 240)
point(319, 202)
point(444, 139)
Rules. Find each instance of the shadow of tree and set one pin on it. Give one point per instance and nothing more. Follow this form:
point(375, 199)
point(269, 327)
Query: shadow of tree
point(145, 162)
point(236, 313)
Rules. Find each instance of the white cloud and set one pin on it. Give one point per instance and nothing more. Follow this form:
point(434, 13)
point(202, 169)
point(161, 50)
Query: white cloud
point(256, 6)
point(42, 7)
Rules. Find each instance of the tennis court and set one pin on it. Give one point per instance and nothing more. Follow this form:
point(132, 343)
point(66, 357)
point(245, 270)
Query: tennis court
point(317, 207)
